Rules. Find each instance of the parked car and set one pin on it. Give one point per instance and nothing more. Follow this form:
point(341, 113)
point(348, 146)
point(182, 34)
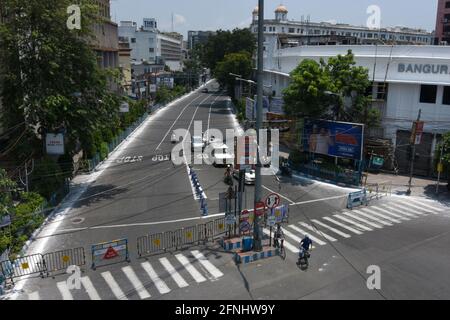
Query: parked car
point(205, 90)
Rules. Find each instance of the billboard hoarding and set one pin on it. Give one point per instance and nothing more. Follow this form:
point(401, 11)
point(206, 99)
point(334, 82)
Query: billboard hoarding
point(54, 143)
point(336, 139)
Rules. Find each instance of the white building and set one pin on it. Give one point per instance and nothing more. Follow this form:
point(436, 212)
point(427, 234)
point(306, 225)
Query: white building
point(416, 77)
point(150, 45)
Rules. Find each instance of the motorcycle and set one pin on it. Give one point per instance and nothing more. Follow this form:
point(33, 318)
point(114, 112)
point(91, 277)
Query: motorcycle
point(303, 259)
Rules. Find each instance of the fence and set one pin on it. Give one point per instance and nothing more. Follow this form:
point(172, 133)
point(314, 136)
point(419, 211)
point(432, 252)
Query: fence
point(163, 241)
point(347, 177)
point(378, 190)
point(93, 163)
point(61, 260)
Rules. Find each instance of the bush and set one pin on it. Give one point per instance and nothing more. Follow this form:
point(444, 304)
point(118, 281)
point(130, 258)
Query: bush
point(46, 177)
point(104, 150)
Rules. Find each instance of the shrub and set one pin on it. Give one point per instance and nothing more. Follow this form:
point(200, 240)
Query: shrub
point(46, 177)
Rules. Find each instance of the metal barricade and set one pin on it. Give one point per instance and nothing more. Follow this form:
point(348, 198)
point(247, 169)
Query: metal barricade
point(189, 235)
point(151, 244)
point(219, 227)
point(201, 233)
point(209, 231)
point(24, 266)
point(61, 260)
point(109, 252)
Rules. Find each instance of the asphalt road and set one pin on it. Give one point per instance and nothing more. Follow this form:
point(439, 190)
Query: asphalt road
point(408, 240)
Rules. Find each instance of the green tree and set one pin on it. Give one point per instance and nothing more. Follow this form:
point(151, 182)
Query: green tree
point(237, 63)
point(445, 147)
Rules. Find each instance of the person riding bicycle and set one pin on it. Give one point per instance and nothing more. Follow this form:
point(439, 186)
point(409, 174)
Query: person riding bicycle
point(305, 246)
point(278, 236)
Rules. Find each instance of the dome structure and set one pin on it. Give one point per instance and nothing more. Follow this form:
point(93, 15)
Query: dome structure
point(256, 10)
point(281, 9)
point(281, 13)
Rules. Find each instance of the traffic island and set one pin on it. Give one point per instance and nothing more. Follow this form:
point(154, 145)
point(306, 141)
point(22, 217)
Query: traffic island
point(231, 244)
point(251, 256)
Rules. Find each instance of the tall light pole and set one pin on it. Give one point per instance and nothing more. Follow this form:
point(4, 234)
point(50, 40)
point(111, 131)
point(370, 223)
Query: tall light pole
point(259, 106)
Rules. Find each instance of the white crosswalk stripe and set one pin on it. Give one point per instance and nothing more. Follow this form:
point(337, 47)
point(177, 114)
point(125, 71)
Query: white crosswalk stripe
point(159, 284)
point(407, 209)
point(317, 240)
point(324, 235)
point(190, 268)
point(371, 217)
point(424, 204)
point(342, 225)
point(137, 284)
point(424, 208)
point(353, 216)
point(399, 211)
point(34, 296)
point(363, 227)
point(111, 282)
point(64, 290)
point(389, 213)
point(286, 244)
point(216, 273)
point(173, 273)
point(89, 287)
point(374, 211)
point(342, 234)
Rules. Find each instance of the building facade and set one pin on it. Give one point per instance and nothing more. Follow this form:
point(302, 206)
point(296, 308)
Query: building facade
point(198, 37)
point(443, 23)
point(405, 78)
point(282, 32)
point(151, 46)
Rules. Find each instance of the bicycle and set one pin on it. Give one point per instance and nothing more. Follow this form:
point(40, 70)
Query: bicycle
point(280, 245)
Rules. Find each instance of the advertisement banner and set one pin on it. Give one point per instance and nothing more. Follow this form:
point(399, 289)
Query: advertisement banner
point(266, 106)
point(277, 105)
point(336, 139)
point(249, 109)
point(54, 143)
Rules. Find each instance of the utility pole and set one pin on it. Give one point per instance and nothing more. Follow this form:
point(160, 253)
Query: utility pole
point(257, 246)
point(26, 183)
point(440, 168)
point(413, 152)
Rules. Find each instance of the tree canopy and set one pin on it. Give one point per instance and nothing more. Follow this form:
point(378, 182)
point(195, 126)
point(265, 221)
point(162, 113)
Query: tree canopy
point(237, 63)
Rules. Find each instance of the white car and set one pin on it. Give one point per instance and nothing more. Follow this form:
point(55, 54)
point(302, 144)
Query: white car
point(197, 143)
point(221, 156)
point(250, 176)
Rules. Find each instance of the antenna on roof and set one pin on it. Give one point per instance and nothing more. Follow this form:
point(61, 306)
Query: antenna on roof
point(172, 23)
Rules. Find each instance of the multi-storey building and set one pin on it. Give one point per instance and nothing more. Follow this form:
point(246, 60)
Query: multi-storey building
point(443, 23)
point(151, 46)
point(198, 37)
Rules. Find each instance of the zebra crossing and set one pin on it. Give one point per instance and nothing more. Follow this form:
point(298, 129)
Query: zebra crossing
point(356, 222)
point(146, 280)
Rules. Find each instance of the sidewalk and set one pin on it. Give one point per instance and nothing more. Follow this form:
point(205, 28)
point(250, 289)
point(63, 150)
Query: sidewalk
point(421, 187)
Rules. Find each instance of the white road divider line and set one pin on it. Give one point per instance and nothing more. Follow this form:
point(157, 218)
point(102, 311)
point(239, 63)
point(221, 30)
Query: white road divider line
point(137, 284)
point(92, 293)
point(340, 224)
point(322, 234)
point(112, 284)
point(363, 227)
point(400, 212)
point(216, 273)
point(286, 244)
point(342, 234)
point(391, 213)
point(402, 208)
point(317, 240)
point(353, 216)
point(173, 273)
point(286, 198)
point(371, 217)
point(383, 216)
point(190, 268)
point(34, 296)
point(159, 284)
point(65, 292)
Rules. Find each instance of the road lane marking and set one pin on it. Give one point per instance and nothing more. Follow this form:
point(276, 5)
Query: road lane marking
point(171, 127)
point(342, 225)
point(34, 296)
point(87, 284)
point(319, 242)
point(402, 208)
point(270, 190)
point(216, 273)
point(173, 273)
point(433, 211)
point(432, 207)
point(111, 282)
point(318, 200)
point(353, 216)
point(342, 234)
point(190, 268)
point(324, 235)
point(137, 284)
point(370, 217)
point(286, 244)
point(390, 213)
point(159, 284)
point(65, 292)
point(401, 212)
point(382, 216)
point(363, 227)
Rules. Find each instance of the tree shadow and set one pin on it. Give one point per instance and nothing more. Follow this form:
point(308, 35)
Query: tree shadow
point(443, 195)
point(99, 193)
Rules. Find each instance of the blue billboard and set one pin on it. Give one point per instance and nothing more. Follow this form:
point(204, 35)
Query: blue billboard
point(336, 139)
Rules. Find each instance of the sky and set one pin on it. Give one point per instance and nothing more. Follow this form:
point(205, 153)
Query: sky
point(229, 14)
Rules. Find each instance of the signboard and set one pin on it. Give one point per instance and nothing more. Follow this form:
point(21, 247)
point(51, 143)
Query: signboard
point(273, 200)
point(165, 81)
point(249, 109)
point(266, 106)
point(336, 139)
point(356, 199)
point(124, 107)
point(419, 131)
point(152, 88)
point(54, 144)
point(271, 221)
point(107, 251)
point(246, 220)
point(260, 209)
point(377, 161)
point(230, 219)
point(277, 105)
point(281, 213)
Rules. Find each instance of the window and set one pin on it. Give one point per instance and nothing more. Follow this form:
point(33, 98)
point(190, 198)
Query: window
point(291, 30)
point(133, 40)
point(447, 4)
point(428, 94)
point(151, 50)
point(446, 97)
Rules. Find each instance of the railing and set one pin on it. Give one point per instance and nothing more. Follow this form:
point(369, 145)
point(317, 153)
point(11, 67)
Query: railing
point(348, 177)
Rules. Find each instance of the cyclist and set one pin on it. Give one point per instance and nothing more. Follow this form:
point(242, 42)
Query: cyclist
point(305, 246)
point(278, 236)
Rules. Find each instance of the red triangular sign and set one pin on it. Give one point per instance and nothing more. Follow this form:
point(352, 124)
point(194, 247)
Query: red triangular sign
point(110, 253)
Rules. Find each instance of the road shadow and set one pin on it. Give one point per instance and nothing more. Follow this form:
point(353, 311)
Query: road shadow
point(96, 194)
point(443, 195)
